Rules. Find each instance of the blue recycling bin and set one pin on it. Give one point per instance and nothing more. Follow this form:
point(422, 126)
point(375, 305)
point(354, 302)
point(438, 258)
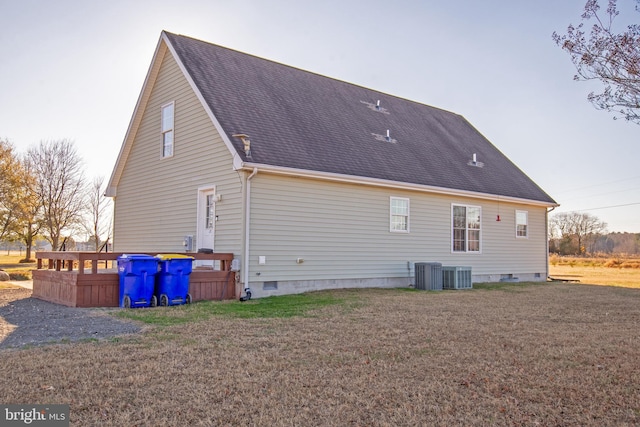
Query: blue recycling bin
point(172, 281)
point(137, 280)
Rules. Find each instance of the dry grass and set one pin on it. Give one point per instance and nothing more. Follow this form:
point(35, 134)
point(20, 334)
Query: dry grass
point(17, 270)
point(597, 274)
point(608, 261)
point(519, 355)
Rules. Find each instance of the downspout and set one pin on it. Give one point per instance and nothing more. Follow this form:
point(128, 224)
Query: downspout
point(247, 227)
point(546, 231)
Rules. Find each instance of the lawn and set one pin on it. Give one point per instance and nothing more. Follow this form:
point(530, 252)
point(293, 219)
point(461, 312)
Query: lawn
point(628, 278)
point(623, 272)
point(17, 270)
point(510, 355)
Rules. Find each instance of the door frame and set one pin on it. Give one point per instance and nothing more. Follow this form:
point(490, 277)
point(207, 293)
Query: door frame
point(200, 211)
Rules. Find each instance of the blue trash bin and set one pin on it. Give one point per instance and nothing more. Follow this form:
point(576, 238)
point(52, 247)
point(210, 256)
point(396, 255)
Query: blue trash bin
point(172, 281)
point(137, 280)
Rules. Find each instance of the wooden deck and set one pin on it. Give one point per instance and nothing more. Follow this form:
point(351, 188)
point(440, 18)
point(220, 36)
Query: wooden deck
point(89, 279)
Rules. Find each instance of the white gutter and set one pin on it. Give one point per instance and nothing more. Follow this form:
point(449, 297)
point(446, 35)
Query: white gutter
point(247, 227)
point(336, 177)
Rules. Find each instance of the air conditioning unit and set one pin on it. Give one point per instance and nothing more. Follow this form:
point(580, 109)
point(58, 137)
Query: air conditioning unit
point(428, 276)
point(456, 278)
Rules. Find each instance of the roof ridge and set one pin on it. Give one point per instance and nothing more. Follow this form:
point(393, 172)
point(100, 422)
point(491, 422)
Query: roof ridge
point(311, 72)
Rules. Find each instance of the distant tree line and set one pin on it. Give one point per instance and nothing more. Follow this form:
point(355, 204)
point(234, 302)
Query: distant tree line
point(620, 243)
point(576, 233)
point(44, 194)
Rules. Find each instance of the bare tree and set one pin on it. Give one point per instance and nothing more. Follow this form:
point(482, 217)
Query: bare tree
point(576, 230)
point(28, 221)
point(609, 56)
point(98, 206)
point(60, 186)
point(626, 243)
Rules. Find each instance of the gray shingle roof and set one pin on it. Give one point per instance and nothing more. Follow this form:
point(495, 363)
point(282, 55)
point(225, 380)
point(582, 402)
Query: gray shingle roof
point(298, 119)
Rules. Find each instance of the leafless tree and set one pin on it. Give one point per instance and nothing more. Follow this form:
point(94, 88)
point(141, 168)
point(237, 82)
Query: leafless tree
point(576, 230)
point(60, 186)
point(625, 243)
point(98, 224)
point(29, 220)
point(609, 56)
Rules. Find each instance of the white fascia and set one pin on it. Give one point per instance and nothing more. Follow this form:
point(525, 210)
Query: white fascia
point(236, 158)
point(136, 117)
point(376, 182)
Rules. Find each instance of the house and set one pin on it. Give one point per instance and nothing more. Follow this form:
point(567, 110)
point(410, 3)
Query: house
point(312, 182)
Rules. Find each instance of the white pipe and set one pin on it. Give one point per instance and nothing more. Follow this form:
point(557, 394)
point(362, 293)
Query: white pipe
point(247, 227)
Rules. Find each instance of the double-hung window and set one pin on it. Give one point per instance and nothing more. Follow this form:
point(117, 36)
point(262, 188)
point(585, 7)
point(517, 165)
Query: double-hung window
point(167, 129)
point(399, 215)
point(466, 228)
point(522, 224)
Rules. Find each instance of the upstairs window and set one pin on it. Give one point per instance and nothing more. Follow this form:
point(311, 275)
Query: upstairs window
point(399, 215)
point(167, 130)
point(466, 228)
point(522, 224)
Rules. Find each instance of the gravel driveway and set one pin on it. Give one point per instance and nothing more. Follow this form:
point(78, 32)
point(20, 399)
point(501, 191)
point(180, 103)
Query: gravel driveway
point(29, 321)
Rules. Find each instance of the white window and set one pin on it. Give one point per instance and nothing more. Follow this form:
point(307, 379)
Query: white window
point(522, 222)
point(399, 215)
point(465, 228)
point(209, 213)
point(167, 130)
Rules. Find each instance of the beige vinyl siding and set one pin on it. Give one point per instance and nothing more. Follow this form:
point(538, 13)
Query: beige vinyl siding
point(342, 232)
point(156, 202)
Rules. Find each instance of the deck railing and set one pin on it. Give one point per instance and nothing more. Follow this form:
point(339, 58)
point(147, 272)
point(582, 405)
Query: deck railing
point(77, 279)
point(68, 261)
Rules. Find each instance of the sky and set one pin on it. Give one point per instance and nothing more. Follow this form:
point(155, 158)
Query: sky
point(74, 70)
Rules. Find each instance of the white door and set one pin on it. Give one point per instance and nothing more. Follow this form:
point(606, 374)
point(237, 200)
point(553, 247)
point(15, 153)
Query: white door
point(206, 218)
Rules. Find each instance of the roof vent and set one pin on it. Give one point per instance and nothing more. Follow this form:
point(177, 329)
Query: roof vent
point(474, 162)
point(384, 138)
point(246, 141)
point(375, 107)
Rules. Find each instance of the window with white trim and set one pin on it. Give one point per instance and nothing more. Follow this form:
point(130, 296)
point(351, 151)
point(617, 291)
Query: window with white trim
point(522, 224)
point(399, 215)
point(167, 129)
point(466, 229)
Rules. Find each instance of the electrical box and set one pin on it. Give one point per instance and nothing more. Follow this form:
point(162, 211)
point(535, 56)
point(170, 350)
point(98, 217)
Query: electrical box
point(188, 243)
point(235, 264)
